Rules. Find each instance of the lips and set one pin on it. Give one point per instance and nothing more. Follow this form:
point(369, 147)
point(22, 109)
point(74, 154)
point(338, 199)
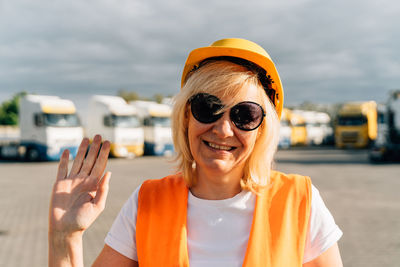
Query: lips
point(219, 147)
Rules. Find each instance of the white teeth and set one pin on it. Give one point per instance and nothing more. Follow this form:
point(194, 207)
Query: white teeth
point(219, 147)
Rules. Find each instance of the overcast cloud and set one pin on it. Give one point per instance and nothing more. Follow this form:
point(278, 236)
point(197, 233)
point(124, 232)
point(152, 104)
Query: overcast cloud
point(325, 51)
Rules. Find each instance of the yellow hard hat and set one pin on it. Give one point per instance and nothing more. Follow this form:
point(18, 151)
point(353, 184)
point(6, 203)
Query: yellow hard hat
point(243, 49)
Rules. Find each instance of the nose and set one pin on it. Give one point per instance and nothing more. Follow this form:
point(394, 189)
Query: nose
point(223, 127)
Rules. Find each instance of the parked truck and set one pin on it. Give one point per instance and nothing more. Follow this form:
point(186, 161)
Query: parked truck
point(285, 130)
point(156, 120)
point(387, 144)
point(324, 122)
point(47, 126)
point(317, 126)
point(299, 130)
point(356, 125)
point(117, 121)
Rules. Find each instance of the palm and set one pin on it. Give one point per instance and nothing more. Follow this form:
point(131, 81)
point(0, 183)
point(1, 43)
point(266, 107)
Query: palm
point(72, 207)
point(79, 197)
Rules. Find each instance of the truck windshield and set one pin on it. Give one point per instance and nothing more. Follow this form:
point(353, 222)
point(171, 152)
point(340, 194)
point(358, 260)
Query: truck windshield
point(298, 124)
point(352, 120)
point(157, 121)
point(61, 120)
point(285, 123)
point(313, 124)
point(381, 117)
point(129, 121)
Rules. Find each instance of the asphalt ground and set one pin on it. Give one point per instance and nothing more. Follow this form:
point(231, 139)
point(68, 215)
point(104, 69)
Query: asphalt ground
point(364, 199)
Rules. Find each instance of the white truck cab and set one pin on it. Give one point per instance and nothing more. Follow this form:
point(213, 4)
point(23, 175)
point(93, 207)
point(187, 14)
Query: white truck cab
point(387, 144)
point(156, 119)
point(117, 121)
point(48, 125)
point(324, 122)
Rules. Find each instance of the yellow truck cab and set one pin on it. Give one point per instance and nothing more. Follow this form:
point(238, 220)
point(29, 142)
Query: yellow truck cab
point(299, 131)
point(285, 130)
point(356, 125)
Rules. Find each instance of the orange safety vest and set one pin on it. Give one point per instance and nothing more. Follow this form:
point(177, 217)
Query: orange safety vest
point(278, 231)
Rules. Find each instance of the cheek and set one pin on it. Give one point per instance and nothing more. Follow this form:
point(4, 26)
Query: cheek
point(195, 129)
point(248, 140)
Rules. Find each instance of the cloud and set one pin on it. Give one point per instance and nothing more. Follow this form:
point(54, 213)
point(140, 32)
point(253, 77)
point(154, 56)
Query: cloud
point(325, 51)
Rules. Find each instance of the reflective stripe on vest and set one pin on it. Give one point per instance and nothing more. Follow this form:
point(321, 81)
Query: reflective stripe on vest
point(277, 236)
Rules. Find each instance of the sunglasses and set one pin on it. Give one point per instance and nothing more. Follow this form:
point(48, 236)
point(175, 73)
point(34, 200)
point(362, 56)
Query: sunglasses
point(246, 116)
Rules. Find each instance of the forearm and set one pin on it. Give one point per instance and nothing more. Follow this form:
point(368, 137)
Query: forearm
point(65, 250)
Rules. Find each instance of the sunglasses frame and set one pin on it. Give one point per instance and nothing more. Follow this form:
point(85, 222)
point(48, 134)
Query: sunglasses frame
point(219, 115)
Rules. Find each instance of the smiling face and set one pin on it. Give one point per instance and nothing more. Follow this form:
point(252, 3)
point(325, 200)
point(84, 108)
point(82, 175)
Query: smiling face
point(220, 147)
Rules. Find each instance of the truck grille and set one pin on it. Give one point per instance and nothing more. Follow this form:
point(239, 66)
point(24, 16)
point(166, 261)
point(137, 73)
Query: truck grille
point(349, 137)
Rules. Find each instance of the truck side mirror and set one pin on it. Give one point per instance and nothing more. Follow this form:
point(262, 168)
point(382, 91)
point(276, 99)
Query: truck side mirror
point(39, 119)
point(107, 121)
point(147, 122)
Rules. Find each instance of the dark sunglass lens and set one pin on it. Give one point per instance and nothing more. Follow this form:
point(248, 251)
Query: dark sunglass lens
point(206, 108)
point(247, 115)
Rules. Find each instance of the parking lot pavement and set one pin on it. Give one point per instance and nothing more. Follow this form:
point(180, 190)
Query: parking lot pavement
point(363, 198)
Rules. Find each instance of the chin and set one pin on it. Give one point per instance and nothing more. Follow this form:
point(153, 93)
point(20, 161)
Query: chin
point(219, 166)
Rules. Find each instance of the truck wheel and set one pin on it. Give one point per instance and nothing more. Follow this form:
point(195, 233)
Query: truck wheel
point(32, 154)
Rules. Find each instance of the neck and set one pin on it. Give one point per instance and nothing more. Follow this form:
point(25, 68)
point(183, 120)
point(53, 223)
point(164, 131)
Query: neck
point(216, 186)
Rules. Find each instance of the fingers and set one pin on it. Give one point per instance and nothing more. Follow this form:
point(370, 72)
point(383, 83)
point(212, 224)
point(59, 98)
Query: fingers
point(80, 157)
point(101, 161)
point(91, 156)
point(102, 191)
point(62, 171)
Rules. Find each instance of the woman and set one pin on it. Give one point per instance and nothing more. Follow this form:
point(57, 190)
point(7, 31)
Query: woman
point(225, 207)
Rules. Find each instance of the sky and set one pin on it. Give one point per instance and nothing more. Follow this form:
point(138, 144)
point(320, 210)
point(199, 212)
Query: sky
point(325, 51)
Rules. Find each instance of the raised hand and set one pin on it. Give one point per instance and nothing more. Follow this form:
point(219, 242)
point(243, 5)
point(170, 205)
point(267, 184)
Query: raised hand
point(79, 196)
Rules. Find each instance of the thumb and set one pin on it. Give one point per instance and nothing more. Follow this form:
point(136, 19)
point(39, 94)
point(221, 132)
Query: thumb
point(102, 191)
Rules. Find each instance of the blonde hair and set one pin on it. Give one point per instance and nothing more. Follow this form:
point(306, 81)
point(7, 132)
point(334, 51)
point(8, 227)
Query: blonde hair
point(224, 78)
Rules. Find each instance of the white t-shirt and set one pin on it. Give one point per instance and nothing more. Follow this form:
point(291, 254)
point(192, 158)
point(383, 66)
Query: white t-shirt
point(218, 230)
